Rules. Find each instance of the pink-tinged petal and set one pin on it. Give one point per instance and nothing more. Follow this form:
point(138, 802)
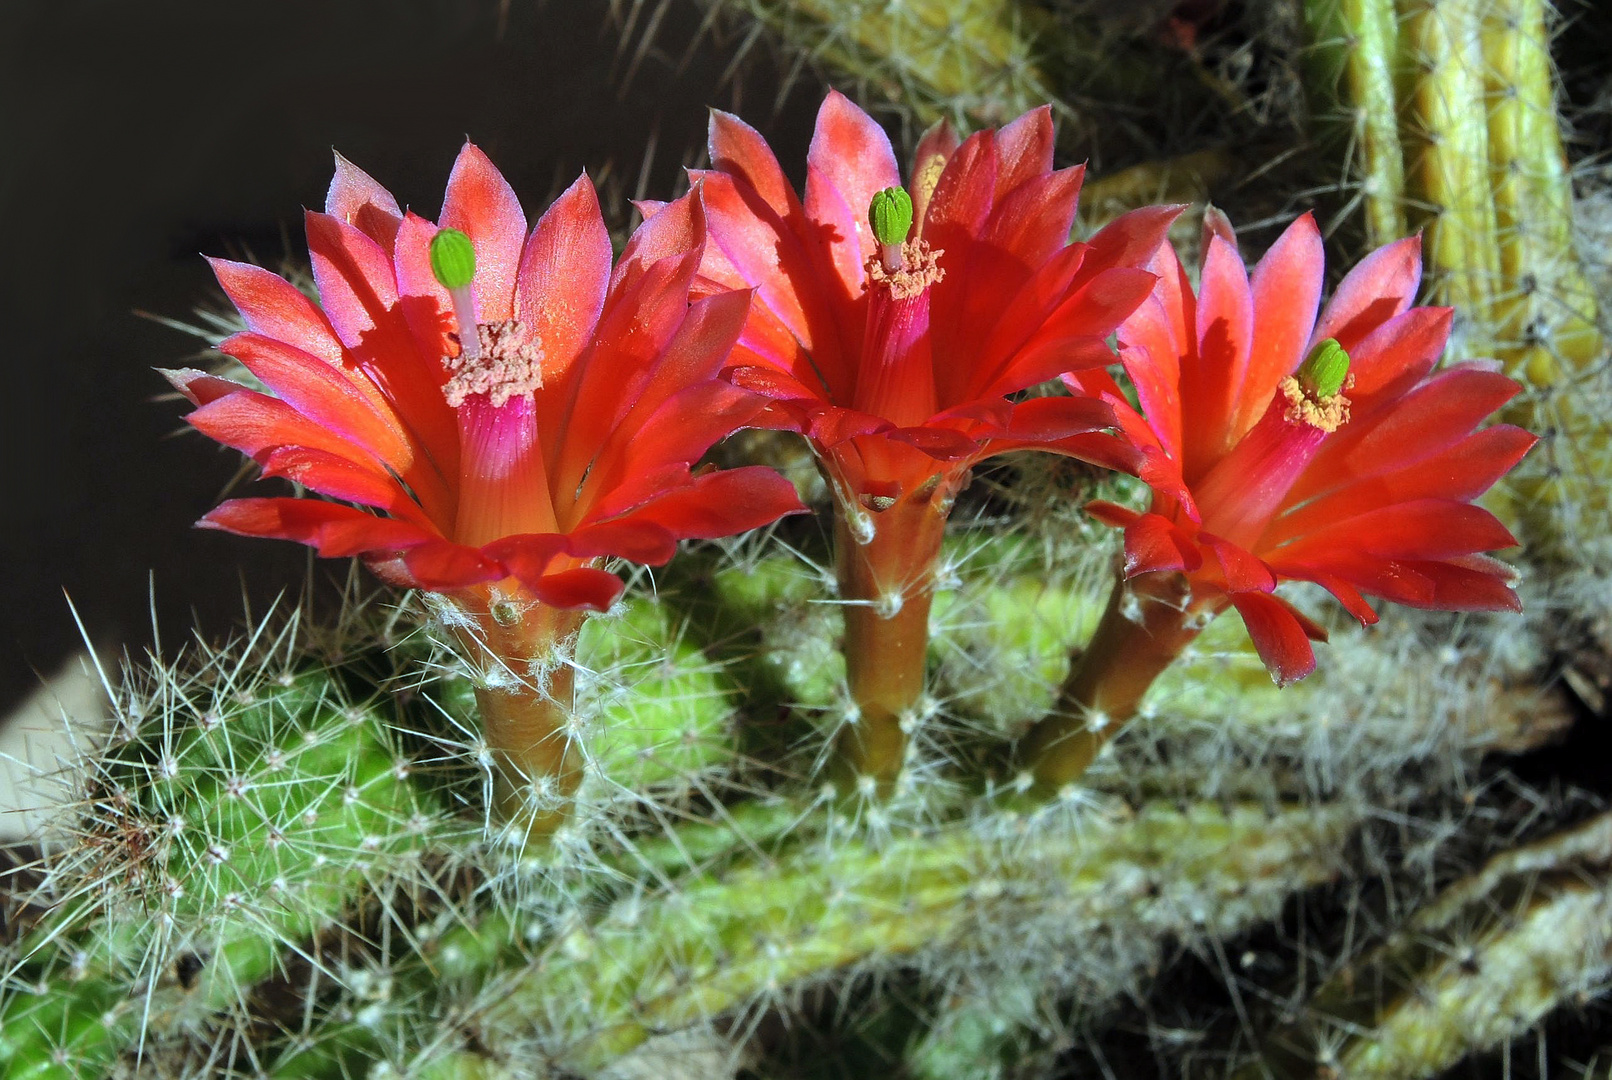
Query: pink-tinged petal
point(1397, 355)
point(1286, 289)
point(641, 542)
point(1047, 419)
point(334, 530)
point(584, 589)
point(722, 503)
point(1279, 637)
point(1427, 421)
point(273, 306)
point(942, 444)
point(1154, 543)
point(771, 383)
point(1458, 587)
point(1243, 571)
point(1071, 338)
point(1381, 286)
point(929, 159)
point(324, 395)
point(1210, 382)
point(1111, 514)
point(356, 282)
point(1132, 239)
point(340, 478)
point(678, 231)
point(770, 259)
point(198, 386)
point(738, 149)
point(1463, 471)
point(255, 423)
point(835, 246)
point(1154, 367)
point(564, 272)
point(851, 153)
point(427, 307)
point(1099, 449)
point(481, 204)
point(680, 429)
point(443, 566)
point(356, 198)
point(1024, 150)
point(963, 195)
point(1424, 529)
point(527, 556)
point(1024, 231)
point(1347, 595)
point(504, 487)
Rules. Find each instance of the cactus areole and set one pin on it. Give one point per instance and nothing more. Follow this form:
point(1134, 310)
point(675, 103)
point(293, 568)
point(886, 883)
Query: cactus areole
point(506, 410)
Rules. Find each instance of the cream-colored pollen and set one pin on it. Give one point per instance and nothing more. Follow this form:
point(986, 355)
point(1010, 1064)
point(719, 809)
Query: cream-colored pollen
point(920, 268)
point(510, 365)
point(1328, 414)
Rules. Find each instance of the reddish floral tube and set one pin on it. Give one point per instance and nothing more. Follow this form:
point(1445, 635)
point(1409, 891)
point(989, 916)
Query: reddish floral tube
point(507, 411)
point(1282, 447)
point(896, 355)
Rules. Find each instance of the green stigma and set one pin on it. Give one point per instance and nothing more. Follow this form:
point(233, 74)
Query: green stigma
point(890, 214)
point(453, 259)
point(1325, 371)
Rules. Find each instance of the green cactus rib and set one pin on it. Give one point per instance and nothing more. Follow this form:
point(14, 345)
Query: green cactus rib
point(1466, 142)
point(709, 944)
point(244, 834)
point(1446, 138)
point(1479, 965)
point(984, 61)
point(1350, 77)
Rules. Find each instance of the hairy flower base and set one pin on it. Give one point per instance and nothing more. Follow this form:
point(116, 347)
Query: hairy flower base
point(887, 563)
point(1145, 627)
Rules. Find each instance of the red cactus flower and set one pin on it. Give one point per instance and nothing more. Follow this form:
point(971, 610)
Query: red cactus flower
point(896, 341)
point(501, 441)
point(1281, 448)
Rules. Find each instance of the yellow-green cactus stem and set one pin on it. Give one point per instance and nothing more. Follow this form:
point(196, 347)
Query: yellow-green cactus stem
point(1446, 140)
point(1479, 966)
point(1351, 83)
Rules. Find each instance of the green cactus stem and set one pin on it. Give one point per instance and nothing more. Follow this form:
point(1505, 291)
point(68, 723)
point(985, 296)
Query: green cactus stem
point(1350, 78)
point(220, 847)
point(711, 944)
point(1480, 965)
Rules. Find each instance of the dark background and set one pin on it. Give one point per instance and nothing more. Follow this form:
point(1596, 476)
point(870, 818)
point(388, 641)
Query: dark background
point(136, 137)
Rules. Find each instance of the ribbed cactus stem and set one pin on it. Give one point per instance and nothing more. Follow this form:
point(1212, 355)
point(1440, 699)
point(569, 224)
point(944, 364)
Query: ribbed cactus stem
point(1479, 966)
point(257, 829)
point(1351, 79)
point(1546, 316)
point(1447, 153)
point(710, 943)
